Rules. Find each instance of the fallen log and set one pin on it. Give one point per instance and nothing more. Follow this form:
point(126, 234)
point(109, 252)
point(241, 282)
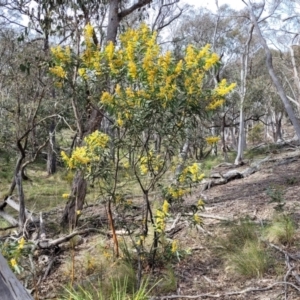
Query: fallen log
point(220, 179)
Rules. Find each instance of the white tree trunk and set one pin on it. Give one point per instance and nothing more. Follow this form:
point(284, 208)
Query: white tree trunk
point(275, 80)
point(244, 69)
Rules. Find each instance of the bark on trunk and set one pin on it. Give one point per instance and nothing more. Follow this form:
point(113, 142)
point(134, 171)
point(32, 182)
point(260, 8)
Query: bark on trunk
point(288, 107)
point(278, 133)
point(244, 70)
point(113, 21)
point(51, 157)
point(75, 202)
point(22, 217)
point(10, 286)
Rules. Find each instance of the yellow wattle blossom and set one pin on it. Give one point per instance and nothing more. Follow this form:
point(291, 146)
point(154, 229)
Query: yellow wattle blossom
point(204, 52)
point(200, 203)
point(96, 139)
point(13, 262)
point(174, 247)
point(165, 207)
point(215, 104)
point(211, 61)
point(120, 122)
point(223, 88)
point(212, 139)
point(164, 62)
point(129, 92)
point(82, 73)
point(118, 90)
point(21, 243)
point(179, 67)
point(65, 196)
point(78, 212)
point(190, 57)
point(197, 219)
point(130, 51)
point(106, 98)
point(160, 221)
point(88, 34)
point(80, 155)
point(144, 169)
point(193, 172)
point(58, 71)
point(132, 70)
point(176, 192)
point(63, 55)
point(66, 159)
point(109, 51)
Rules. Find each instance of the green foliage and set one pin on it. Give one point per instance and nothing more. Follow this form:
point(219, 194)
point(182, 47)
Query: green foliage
point(210, 162)
point(118, 291)
point(291, 180)
point(276, 195)
point(251, 260)
point(239, 234)
point(243, 251)
point(255, 134)
point(168, 282)
point(281, 230)
point(16, 253)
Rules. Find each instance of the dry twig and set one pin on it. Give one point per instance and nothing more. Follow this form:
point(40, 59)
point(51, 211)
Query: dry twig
point(248, 290)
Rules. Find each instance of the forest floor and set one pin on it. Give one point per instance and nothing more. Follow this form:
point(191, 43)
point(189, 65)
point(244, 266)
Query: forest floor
point(203, 272)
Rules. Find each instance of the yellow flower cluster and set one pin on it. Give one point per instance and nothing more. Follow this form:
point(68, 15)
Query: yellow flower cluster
point(223, 88)
point(200, 204)
point(152, 162)
point(82, 73)
point(107, 98)
point(193, 172)
point(204, 52)
point(21, 243)
point(160, 217)
point(88, 34)
point(109, 51)
point(214, 104)
point(212, 139)
point(58, 71)
point(174, 246)
point(61, 54)
point(177, 192)
point(13, 262)
point(210, 61)
point(82, 156)
point(96, 139)
point(197, 219)
point(65, 196)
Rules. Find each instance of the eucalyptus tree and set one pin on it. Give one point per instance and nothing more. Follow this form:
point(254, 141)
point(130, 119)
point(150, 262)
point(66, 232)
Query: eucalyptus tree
point(256, 15)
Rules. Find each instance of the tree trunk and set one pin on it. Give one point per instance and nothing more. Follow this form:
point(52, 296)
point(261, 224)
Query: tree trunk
point(75, 202)
point(22, 217)
point(10, 286)
point(183, 156)
point(244, 70)
point(224, 150)
point(278, 126)
point(275, 80)
point(51, 157)
point(113, 21)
